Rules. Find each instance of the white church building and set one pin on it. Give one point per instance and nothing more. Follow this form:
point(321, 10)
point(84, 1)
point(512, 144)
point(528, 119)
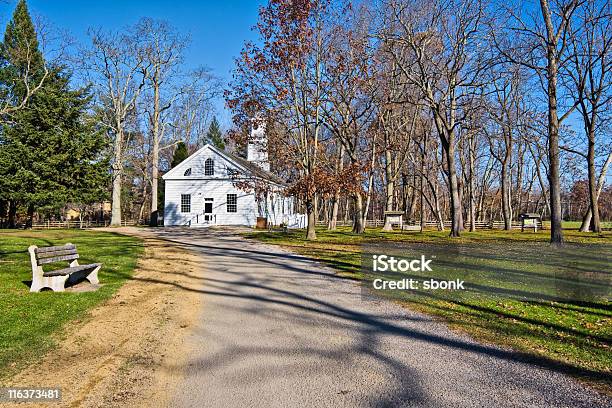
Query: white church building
point(214, 187)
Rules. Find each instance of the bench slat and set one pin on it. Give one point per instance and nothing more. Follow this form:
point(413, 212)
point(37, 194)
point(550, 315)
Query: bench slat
point(68, 271)
point(54, 248)
point(56, 253)
point(57, 259)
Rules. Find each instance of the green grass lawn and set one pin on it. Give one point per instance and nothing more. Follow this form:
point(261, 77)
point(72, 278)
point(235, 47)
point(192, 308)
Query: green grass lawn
point(31, 323)
point(577, 224)
point(541, 305)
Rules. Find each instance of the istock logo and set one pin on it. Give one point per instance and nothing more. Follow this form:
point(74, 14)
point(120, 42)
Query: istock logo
point(385, 263)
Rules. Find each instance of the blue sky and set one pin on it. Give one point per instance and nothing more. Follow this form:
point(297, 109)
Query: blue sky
point(218, 28)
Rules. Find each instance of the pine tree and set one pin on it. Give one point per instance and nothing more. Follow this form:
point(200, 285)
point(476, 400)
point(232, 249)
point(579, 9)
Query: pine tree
point(20, 54)
point(180, 154)
point(214, 135)
point(51, 153)
point(55, 150)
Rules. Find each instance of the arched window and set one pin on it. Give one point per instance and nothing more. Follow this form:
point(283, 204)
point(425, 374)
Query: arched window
point(187, 172)
point(209, 167)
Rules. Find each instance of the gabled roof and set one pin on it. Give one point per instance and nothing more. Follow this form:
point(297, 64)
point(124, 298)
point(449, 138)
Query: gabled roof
point(250, 169)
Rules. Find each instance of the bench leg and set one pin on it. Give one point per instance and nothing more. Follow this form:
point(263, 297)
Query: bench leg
point(37, 285)
point(55, 283)
point(93, 276)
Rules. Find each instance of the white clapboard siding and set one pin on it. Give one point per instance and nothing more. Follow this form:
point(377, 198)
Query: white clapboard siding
point(199, 190)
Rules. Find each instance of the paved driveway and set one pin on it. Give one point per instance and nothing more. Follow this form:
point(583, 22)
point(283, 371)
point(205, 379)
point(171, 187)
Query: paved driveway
point(279, 330)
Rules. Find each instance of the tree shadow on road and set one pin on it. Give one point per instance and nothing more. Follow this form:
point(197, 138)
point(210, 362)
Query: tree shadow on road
point(257, 293)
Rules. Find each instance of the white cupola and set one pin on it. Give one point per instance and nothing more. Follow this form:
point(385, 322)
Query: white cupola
point(257, 148)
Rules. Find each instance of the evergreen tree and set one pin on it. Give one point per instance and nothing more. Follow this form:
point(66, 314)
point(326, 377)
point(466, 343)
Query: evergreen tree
point(19, 54)
point(214, 135)
point(54, 151)
point(51, 152)
point(180, 154)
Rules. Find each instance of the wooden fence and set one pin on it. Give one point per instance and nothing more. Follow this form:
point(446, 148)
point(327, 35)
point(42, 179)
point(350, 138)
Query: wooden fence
point(434, 224)
point(79, 224)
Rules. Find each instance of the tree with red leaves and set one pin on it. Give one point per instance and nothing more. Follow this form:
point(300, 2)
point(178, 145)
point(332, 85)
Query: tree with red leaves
point(280, 81)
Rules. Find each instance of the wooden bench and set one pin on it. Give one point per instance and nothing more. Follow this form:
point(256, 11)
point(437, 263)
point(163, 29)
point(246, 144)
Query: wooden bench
point(56, 279)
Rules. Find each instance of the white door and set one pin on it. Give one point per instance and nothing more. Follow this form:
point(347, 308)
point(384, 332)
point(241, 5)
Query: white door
point(209, 215)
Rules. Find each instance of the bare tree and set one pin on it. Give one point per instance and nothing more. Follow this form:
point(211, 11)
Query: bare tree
point(505, 109)
point(163, 49)
point(437, 47)
point(541, 45)
point(118, 68)
point(349, 108)
point(601, 181)
point(281, 82)
point(398, 117)
point(192, 111)
point(338, 168)
point(590, 77)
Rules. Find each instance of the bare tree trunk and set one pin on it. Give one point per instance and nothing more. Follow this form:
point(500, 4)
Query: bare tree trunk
point(143, 204)
point(366, 208)
point(422, 180)
point(455, 204)
point(519, 176)
point(155, 151)
point(311, 232)
point(390, 187)
point(117, 174)
point(556, 232)
point(413, 205)
point(336, 199)
point(537, 160)
point(593, 195)
point(346, 211)
point(586, 220)
point(439, 216)
point(471, 158)
point(505, 197)
point(333, 220)
point(358, 224)
point(460, 193)
point(422, 198)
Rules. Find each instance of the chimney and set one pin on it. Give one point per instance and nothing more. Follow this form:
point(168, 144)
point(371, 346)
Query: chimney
point(257, 148)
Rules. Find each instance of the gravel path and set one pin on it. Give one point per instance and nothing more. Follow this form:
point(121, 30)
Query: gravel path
point(280, 330)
